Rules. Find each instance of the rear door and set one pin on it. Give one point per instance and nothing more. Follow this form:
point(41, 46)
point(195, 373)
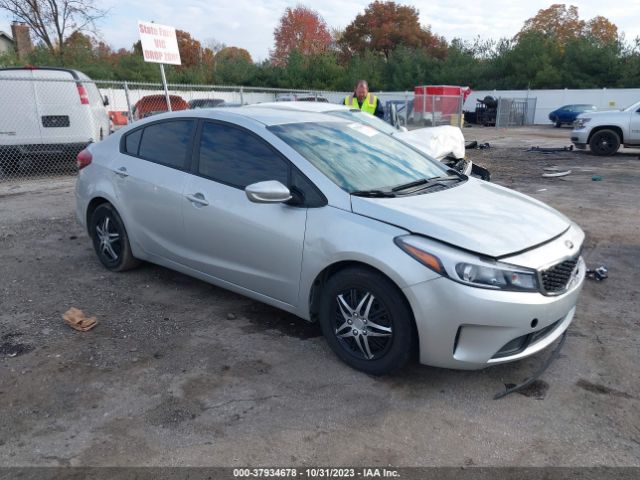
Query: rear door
point(98, 114)
point(256, 246)
point(150, 176)
point(62, 117)
point(19, 122)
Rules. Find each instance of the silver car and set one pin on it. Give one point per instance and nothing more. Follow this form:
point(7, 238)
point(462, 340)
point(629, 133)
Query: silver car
point(338, 223)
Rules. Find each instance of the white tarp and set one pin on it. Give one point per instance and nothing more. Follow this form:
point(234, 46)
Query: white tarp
point(436, 141)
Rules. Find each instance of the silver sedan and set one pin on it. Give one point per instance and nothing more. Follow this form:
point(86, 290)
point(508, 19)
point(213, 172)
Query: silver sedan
point(338, 223)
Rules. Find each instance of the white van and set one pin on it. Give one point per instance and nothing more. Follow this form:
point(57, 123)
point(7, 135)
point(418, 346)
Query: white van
point(46, 110)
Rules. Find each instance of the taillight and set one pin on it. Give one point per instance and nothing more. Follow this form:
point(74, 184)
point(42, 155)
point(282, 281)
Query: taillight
point(84, 98)
point(83, 159)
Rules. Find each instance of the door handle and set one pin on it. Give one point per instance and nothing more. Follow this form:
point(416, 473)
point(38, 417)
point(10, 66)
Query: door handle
point(122, 172)
point(197, 198)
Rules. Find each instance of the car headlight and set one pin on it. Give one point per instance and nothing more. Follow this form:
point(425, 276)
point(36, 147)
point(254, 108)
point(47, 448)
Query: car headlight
point(467, 268)
point(581, 122)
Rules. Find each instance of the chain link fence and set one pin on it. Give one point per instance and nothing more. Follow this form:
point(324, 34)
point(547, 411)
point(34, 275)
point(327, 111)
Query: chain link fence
point(515, 112)
point(48, 116)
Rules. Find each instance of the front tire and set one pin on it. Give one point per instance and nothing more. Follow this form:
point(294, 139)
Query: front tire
point(110, 239)
point(604, 143)
point(366, 321)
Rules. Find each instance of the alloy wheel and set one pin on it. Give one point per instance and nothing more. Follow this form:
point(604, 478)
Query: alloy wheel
point(363, 325)
point(110, 245)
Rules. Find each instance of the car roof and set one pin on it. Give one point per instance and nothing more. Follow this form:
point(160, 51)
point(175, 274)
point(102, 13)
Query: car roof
point(318, 107)
point(264, 115)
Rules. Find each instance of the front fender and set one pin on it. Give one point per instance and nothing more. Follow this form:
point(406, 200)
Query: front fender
point(334, 235)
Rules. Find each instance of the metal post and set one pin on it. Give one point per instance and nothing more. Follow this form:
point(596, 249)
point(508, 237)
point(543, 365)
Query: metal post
point(241, 96)
point(166, 89)
point(406, 108)
point(126, 94)
point(433, 110)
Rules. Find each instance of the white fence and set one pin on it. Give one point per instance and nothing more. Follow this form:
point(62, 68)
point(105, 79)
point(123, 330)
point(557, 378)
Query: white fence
point(549, 100)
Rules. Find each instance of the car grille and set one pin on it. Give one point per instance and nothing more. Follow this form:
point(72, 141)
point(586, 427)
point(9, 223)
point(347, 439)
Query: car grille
point(556, 278)
point(517, 345)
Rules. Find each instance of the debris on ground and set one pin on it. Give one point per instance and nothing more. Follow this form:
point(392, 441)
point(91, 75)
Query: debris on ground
point(475, 145)
point(12, 349)
point(77, 320)
point(596, 178)
point(598, 274)
point(556, 174)
point(550, 149)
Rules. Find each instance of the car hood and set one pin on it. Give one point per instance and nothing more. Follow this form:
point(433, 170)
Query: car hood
point(477, 216)
point(601, 113)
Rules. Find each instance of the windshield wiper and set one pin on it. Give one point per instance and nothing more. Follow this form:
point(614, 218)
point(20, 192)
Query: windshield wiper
point(425, 183)
point(405, 186)
point(445, 178)
point(373, 193)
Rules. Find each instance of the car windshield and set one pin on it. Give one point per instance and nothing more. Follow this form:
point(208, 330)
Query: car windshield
point(632, 107)
point(358, 157)
point(584, 108)
point(366, 118)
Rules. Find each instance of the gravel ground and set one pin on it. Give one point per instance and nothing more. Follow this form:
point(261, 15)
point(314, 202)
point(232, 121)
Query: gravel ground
point(179, 372)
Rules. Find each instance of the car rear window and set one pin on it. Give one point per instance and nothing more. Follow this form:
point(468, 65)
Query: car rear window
point(168, 143)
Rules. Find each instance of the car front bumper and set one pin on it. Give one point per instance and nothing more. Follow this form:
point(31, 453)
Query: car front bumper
point(465, 327)
point(580, 137)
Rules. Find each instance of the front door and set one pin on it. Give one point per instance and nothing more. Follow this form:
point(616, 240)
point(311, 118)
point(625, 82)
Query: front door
point(255, 246)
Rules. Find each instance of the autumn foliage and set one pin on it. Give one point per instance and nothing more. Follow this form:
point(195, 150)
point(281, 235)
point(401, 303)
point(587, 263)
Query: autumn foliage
point(300, 29)
point(563, 24)
point(191, 51)
point(385, 26)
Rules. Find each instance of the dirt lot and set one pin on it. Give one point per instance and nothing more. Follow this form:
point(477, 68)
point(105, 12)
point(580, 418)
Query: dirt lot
point(179, 372)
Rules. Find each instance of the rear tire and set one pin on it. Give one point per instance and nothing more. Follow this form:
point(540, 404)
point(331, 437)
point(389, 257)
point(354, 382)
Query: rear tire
point(110, 239)
point(604, 142)
point(366, 321)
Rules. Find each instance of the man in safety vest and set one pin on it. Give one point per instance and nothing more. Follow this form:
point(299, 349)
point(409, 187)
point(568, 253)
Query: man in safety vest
point(363, 100)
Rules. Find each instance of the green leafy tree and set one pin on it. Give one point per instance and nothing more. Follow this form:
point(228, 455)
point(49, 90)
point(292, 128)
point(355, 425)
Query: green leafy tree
point(233, 66)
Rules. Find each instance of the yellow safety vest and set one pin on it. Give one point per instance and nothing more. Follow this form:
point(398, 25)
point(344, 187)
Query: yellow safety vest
point(369, 105)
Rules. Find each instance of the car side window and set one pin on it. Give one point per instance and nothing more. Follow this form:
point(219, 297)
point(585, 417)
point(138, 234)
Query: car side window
point(167, 143)
point(132, 142)
point(238, 158)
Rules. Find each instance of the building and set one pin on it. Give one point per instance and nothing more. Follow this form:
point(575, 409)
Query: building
point(6, 43)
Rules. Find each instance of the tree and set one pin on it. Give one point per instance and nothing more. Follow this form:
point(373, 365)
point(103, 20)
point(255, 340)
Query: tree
point(563, 24)
point(384, 26)
point(233, 66)
point(189, 48)
point(52, 20)
point(233, 53)
point(300, 29)
point(601, 30)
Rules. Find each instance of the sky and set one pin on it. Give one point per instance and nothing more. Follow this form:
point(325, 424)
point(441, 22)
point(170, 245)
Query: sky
point(249, 24)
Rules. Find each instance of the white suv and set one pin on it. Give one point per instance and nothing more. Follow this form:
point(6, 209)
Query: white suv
point(605, 131)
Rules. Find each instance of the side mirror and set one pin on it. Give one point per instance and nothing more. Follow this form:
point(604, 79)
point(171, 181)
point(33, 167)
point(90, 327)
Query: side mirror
point(105, 100)
point(270, 191)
